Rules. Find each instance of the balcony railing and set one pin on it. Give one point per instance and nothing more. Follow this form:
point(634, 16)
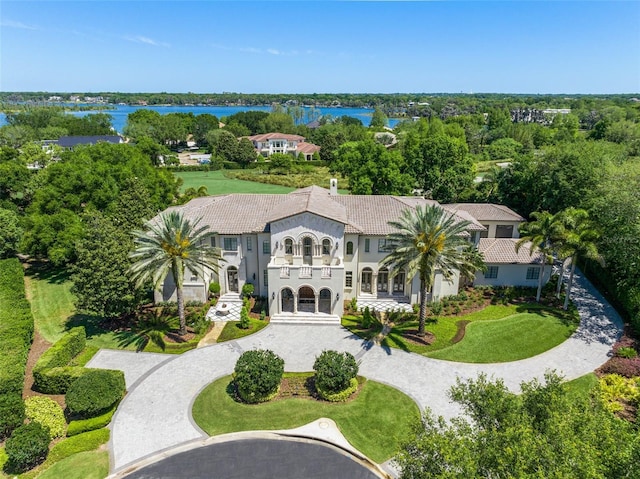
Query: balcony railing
point(326, 272)
point(305, 272)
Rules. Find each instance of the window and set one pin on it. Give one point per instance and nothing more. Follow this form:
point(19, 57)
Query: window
point(504, 231)
point(350, 247)
point(491, 273)
point(213, 241)
point(533, 272)
point(348, 279)
point(398, 283)
point(288, 246)
point(249, 244)
point(326, 247)
point(306, 246)
point(266, 247)
point(485, 233)
point(383, 246)
point(231, 244)
point(265, 277)
point(367, 245)
point(365, 285)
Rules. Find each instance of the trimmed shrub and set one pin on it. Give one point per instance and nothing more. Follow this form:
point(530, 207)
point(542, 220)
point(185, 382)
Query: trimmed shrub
point(624, 367)
point(27, 447)
point(11, 413)
point(339, 396)
point(84, 425)
point(366, 318)
point(57, 357)
point(257, 375)
point(95, 392)
point(80, 443)
point(334, 371)
point(48, 413)
point(248, 289)
point(57, 380)
point(244, 318)
point(628, 353)
point(214, 289)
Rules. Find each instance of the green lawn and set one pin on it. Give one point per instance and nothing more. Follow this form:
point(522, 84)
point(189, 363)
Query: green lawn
point(583, 385)
point(84, 465)
point(375, 422)
point(515, 337)
point(233, 331)
point(218, 184)
point(49, 292)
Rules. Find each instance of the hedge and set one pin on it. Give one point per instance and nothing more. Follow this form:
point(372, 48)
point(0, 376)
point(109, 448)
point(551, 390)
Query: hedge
point(47, 413)
point(80, 443)
point(27, 447)
point(51, 374)
point(85, 425)
point(11, 413)
point(95, 393)
point(16, 334)
point(339, 396)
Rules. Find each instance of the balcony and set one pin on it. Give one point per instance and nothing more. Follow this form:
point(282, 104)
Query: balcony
point(305, 272)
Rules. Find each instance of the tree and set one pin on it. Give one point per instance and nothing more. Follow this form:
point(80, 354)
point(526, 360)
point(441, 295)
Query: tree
point(378, 119)
point(171, 244)
point(10, 233)
point(245, 152)
point(579, 242)
point(542, 235)
point(223, 143)
point(427, 240)
point(101, 281)
point(546, 432)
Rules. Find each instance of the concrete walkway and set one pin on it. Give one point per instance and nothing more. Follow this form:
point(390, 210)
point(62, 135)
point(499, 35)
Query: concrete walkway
point(156, 413)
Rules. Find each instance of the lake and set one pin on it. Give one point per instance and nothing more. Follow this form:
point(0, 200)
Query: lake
point(120, 112)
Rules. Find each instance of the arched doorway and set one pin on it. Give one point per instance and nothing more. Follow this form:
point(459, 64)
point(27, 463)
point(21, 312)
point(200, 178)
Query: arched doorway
point(287, 300)
point(306, 300)
point(232, 279)
point(383, 281)
point(367, 277)
point(324, 302)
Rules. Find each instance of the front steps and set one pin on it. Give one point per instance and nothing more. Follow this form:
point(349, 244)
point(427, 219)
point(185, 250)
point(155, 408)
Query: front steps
point(305, 318)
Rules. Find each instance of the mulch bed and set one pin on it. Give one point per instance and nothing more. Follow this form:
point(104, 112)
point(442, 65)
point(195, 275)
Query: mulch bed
point(411, 336)
point(39, 346)
point(462, 328)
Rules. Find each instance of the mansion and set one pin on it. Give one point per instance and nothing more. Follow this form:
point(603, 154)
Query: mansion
point(311, 250)
point(269, 143)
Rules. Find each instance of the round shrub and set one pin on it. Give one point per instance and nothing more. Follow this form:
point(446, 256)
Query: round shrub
point(11, 413)
point(334, 371)
point(47, 413)
point(340, 396)
point(257, 375)
point(95, 392)
point(628, 353)
point(27, 447)
point(214, 289)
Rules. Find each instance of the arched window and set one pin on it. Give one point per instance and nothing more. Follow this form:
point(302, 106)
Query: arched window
point(349, 247)
point(307, 244)
point(326, 247)
point(288, 246)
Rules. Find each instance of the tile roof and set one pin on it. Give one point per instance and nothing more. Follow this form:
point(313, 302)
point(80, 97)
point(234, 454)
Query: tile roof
point(503, 251)
point(488, 211)
point(361, 214)
point(276, 136)
point(304, 147)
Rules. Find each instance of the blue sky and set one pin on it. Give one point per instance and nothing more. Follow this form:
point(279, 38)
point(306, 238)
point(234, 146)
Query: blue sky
point(305, 46)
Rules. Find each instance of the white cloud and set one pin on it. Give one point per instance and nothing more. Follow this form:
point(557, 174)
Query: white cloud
point(250, 50)
point(145, 40)
point(273, 51)
point(13, 24)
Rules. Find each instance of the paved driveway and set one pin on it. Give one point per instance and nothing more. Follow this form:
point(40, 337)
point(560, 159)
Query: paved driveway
point(156, 413)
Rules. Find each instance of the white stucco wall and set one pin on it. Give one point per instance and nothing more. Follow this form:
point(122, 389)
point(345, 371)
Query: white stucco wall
point(491, 226)
point(511, 275)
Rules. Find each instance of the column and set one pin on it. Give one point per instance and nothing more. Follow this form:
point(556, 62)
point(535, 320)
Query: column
point(295, 302)
point(316, 300)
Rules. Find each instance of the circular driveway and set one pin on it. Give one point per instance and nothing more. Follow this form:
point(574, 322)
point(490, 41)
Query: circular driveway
point(155, 415)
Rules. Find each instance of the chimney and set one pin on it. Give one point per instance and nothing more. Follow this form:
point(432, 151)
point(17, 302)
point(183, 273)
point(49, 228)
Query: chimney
point(333, 187)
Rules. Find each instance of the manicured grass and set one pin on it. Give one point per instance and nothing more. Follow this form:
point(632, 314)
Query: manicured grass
point(84, 465)
point(232, 330)
point(513, 338)
point(49, 292)
point(218, 184)
point(583, 385)
point(375, 422)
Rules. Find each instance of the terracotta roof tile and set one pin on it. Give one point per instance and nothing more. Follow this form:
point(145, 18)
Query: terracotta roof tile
point(503, 251)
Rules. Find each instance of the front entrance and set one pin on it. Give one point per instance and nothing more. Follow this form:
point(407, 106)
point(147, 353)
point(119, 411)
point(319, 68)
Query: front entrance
point(306, 300)
point(232, 279)
point(287, 300)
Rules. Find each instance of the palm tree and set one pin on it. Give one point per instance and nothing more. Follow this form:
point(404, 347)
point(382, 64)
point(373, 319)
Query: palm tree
point(579, 242)
point(427, 240)
point(542, 235)
point(473, 262)
point(171, 244)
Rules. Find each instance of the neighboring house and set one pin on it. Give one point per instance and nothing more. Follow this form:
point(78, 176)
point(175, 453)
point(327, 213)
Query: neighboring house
point(269, 143)
point(310, 250)
point(72, 141)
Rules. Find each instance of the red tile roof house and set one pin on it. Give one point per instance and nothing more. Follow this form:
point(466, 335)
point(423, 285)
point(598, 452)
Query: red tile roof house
point(269, 143)
point(312, 249)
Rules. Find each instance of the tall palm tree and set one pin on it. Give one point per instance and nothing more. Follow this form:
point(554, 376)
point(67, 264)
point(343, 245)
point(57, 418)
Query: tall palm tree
point(579, 242)
point(427, 240)
point(171, 244)
point(542, 235)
